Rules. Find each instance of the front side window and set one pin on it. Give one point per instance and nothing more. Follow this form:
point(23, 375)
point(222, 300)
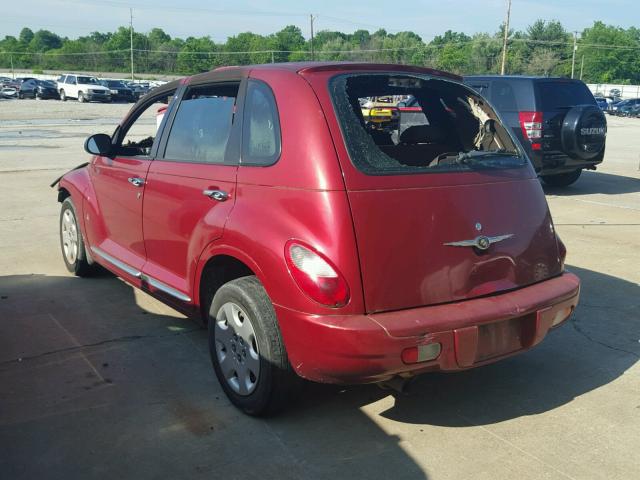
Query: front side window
point(141, 134)
point(453, 128)
point(202, 125)
point(261, 127)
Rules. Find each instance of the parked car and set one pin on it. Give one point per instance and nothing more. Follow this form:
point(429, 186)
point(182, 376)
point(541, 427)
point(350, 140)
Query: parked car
point(602, 103)
point(556, 120)
point(40, 89)
point(321, 249)
point(629, 111)
point(119, 91)
point(83, 88)
point(139, 89)
point(623, 106)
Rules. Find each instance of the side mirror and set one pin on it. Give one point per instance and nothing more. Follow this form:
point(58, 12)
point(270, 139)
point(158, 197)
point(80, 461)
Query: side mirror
point(98, 144)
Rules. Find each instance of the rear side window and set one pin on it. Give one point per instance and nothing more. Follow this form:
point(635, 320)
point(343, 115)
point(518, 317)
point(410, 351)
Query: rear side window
point(503, 97)
point(552, 95)
point(261, 126)
point(202, 125)
point(453, 128)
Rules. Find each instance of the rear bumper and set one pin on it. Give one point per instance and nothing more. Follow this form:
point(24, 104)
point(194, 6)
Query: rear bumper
point(368, 348)
point(552, 163)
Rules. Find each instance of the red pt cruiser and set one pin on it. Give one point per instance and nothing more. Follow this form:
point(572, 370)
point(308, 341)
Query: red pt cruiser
point(316, 244)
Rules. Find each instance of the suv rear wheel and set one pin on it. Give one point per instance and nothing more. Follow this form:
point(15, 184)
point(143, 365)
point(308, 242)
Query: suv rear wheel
point(561, 179)
point(247, 350)
point(63, 96)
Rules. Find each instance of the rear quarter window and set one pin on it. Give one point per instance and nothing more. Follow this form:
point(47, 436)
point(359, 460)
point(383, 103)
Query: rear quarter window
point(503, 97)
point(261, 126)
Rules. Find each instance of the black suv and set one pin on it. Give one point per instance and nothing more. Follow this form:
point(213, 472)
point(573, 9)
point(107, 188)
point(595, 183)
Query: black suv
point(557, 121)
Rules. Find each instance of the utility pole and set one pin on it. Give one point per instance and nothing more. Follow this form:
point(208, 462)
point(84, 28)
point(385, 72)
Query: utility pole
point(573, 58)
point(506, 36)
point(13, 75)
point(272, 59)
point(581, 67)
point(313, 53)
point(131, 39)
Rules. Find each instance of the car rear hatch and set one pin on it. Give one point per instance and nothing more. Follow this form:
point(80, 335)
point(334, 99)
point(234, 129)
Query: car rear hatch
point(436, 231)
point(554, 98)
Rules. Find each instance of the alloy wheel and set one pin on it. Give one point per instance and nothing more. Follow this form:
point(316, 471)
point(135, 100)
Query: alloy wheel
point(69, 233)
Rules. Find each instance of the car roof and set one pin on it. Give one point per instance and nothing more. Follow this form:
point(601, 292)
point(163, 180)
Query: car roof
point(238, 72)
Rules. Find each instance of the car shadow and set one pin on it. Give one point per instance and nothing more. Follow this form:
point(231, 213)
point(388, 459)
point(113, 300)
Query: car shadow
point(98, 382)
point(596, 182)
point(595, 347)
point(150, 393)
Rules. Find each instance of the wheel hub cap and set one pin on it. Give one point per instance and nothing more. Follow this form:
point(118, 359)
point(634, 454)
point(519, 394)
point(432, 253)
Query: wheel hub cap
point(237, 349)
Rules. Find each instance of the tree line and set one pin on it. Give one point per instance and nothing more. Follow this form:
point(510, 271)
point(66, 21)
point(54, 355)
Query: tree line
point(604, 54)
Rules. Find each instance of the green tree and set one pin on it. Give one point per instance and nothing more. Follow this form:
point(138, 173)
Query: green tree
point(26, 35)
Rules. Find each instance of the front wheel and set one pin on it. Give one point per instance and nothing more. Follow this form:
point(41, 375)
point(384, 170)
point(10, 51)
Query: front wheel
point(81, 97)
point(246, 348)
point(71, 241)
point(561, 179)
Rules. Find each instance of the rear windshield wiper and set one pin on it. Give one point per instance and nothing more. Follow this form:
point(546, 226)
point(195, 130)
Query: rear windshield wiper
point(474, 155)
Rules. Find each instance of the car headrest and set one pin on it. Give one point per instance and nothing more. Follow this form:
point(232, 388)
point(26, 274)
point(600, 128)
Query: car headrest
point(421, 134)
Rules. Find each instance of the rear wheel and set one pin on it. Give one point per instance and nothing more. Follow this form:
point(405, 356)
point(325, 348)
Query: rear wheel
point(21, 96)
point(71, 241)
point(247, 350)
point(63, 96)
point(561, 179)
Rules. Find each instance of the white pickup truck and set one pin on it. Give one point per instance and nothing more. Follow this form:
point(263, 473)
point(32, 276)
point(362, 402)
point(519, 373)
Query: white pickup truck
point(82, 87)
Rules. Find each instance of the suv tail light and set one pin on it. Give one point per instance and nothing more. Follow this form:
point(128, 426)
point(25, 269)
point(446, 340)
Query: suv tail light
point(316, 275)
point(531, 125)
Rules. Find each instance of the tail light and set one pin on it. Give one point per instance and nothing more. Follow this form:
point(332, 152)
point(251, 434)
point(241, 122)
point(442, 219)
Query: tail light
point(316, 276)
point(531, 125)
point(562, 251)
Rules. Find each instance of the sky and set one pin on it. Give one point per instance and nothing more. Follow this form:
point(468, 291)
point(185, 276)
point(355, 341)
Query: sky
point(224, 18)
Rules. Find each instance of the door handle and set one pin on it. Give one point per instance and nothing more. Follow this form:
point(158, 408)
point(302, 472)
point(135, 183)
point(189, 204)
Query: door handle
point(218, 195)
point(136, 181)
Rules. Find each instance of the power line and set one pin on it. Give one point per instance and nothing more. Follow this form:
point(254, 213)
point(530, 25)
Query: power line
point(358, 50)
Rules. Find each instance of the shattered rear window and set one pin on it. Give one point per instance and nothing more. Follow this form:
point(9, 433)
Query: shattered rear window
point(403, 124)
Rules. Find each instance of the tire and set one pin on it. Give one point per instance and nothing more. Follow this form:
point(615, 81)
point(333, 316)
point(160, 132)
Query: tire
point(21, 96)
point(38, 96)
point(71, 241)
point(583, 132)
point(561, 179)
point(63, 96)
point(81, 97)
point(252, 352)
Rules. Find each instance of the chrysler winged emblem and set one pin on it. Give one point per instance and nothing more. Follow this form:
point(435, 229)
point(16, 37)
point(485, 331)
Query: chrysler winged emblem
point(481, 242)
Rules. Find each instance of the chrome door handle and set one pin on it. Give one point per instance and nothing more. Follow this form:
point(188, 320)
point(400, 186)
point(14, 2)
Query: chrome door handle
point(218, 195)
point(136, 181)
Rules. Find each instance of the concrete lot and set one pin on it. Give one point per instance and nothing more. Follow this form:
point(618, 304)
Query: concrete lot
point(100, 381)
